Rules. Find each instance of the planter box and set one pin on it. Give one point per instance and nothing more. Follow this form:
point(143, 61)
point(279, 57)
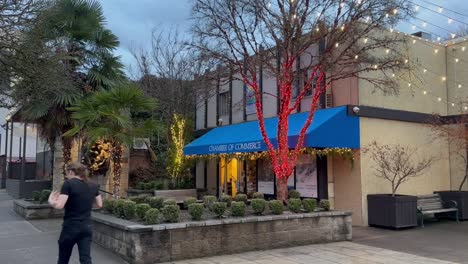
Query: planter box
point(23, 189)
point(30, 211)
point(136, 192)
point(396, 212)
point(140, 244)
point(461, 197)
point(178, 195)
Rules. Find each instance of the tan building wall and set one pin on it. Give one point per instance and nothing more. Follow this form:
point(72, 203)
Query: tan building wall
point(457, 77)
point(407, 134)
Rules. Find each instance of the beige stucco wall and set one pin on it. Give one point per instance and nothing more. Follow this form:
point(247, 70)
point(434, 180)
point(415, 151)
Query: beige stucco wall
point(457, 63)
point(416, 135)
point(412, 98)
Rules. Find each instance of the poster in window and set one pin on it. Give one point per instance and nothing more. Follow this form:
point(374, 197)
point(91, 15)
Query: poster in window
point(266, 178)
point(291, 181)
point(306, 177)
point(250, 101)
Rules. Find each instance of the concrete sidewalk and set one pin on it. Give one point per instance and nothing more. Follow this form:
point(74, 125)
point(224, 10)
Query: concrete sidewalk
point(35, 242)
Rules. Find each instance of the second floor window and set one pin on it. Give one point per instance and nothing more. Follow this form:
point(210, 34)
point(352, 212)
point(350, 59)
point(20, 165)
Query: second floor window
point(223, 107)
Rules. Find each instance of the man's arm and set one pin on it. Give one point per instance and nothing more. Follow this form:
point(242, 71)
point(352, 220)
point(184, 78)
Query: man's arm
point(98, 201)
point(57, 200)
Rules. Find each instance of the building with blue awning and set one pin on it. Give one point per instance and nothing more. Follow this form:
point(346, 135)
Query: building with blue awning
point(331, 128)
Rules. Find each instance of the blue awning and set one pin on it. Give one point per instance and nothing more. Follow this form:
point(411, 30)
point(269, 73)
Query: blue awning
point(331, 128)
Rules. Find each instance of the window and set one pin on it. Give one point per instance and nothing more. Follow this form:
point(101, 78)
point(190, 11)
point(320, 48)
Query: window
point(300, 83)
point(223, 107)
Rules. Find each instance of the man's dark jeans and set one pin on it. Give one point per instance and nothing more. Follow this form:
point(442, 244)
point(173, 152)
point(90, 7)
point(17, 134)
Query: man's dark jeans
point(82, 235)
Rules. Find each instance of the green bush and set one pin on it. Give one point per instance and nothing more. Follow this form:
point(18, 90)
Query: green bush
point(219, 208)
point(155, 202)
point(169, 202)
point(294, 194)
point(108, 205)
point(44, 197)
point(140, 186)
point(36, 196)
point(171, 213)
point(188, 201)
point(139, 199)
point(324, 204)
point(309, 204)
point(276, 207)
point(294, 205)
point(119, 208)
point(258, 195)
point(226, 199)
point(258, 205)
point(238, 209)
point(152, 216)
point(240, 197)
point(129, 209)
point(208, 201)
point(196, 211)
point(141, 210)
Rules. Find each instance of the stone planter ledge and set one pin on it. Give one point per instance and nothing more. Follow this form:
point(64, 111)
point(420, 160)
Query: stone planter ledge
point(30, 211)
point(137, 228)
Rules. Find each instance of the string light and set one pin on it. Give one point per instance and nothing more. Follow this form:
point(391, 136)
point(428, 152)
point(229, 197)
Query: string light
point(376, 66)
point(453, 35)
point(409, 84)
point(466, 107)
point(413, 27)
point(317, 29)
point(356, 57)
point(342, 5)
point(444, 78)
point(368, 19)
point(337, 44)
point(450, 21)
point(453, 104)
point(424, 92)
point(439, 38)
point(365, 40)
point(342, 28)
point(459, 86)
point(395, 11)
point(425, 70)
point(441, 9)
point(416, 8)
point(439, 99)
point(463, 48)
point(424, 24)
point(406, 61)
point(387, 51)
point(436, 51)
point(386, 15)
point(414, 41)
point(456, 59)
point(391, 30)
point(393, 75)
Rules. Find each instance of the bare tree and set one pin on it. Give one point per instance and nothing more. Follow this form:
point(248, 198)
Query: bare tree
point(312, 42)
point(454, 131)
point(397, 163)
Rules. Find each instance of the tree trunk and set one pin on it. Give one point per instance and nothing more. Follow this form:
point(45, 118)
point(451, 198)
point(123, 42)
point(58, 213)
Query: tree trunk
point(66, 149)
point(116, 165)
point(282, 189)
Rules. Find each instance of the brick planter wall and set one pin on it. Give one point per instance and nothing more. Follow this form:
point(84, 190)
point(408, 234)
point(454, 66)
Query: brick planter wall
point(140, 244)
point(30, 211)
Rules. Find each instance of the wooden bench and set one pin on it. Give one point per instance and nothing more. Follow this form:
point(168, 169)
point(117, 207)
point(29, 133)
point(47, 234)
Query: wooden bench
point(433, 204)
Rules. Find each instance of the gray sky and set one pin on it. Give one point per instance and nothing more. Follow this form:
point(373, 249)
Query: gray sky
point(133, 20)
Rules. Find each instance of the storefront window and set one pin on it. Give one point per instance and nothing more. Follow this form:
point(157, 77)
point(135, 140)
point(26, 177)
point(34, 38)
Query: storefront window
point(266, 177)
point(251, 176)
point(306, 176)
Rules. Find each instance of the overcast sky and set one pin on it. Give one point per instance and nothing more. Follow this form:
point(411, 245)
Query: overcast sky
point(133, 20)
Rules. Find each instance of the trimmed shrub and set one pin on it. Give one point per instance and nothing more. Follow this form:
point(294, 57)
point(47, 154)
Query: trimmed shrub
point(139, 199)
point(169, 202)
point(309, 204)
point(196, 211)
point(148, 186)
point(258, 195)
point(140, 186)
point(129, 209)
point(188, 201)
point(44, 197)
point(119, 208)
point(219, 208)
point(155, 202)
point(238, 209)
point(152, 216)
point(324, 204)
point(36, 196)
point(276, 207)
point(240, 197)
point(294, 205)
point(258, 205)
point(141, 210)
point(171, 213)
point(108, 205)
point(208, 201)
point(294, 194)
point(226, 199)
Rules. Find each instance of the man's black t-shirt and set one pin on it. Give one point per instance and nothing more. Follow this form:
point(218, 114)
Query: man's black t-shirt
point(81, 196)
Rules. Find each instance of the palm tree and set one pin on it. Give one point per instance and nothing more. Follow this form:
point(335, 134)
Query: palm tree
point(75, 31)
point(110, 115)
